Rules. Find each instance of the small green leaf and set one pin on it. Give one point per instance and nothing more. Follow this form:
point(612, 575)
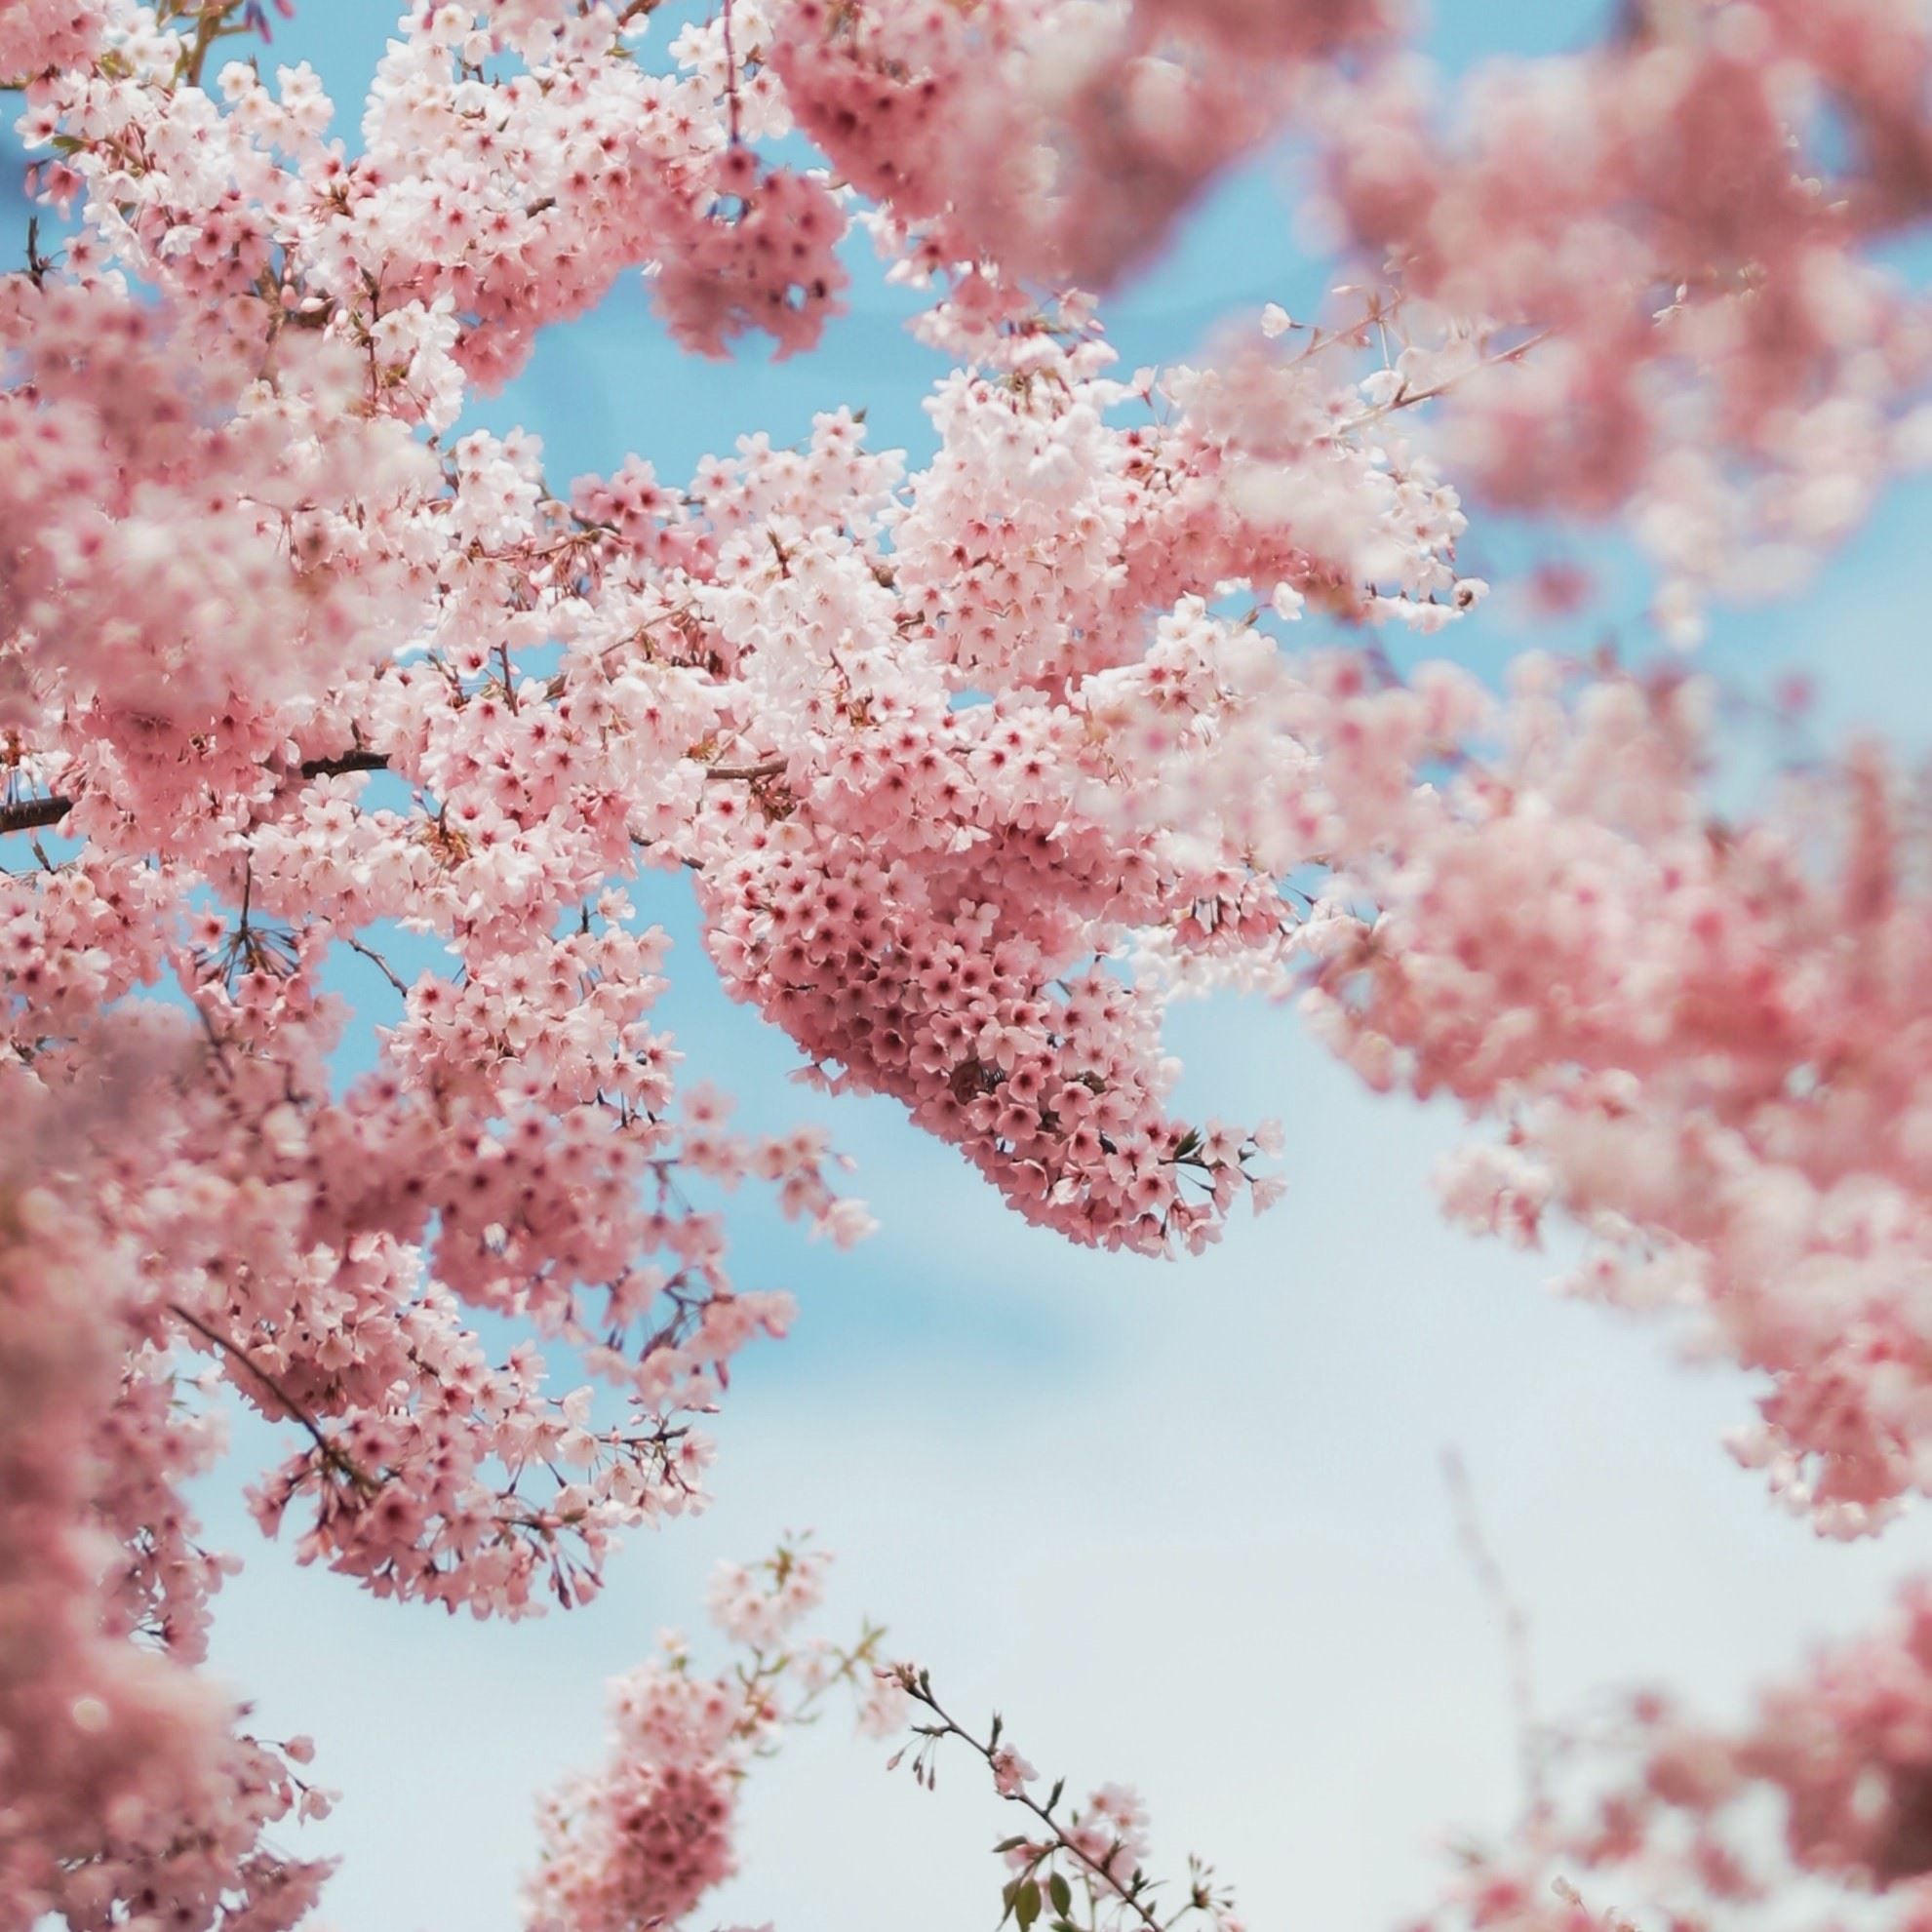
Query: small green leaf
point(1061, 1893)
point(1026, 1903)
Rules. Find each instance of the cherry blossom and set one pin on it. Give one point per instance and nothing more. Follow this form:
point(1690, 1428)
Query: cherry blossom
point(640, 1842)
point(1654, 1811)
point(969, 766)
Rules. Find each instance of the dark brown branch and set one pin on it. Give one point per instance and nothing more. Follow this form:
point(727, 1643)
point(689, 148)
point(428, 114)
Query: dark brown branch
point(382, 965)
point(331, 1454)
point(359, 760)
point(919, 1686)
point(30, 815)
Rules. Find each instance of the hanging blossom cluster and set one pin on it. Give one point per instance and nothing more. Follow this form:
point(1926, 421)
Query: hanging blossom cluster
point(1683, 222)
point(303, 684)
point(545, 184)
point(1702, 1039)
point(1686, 221)
point(1053, 140)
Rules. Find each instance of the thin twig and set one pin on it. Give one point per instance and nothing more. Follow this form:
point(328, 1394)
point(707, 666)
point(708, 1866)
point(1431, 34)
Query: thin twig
point(731, 74)
point(1515, 1628)
point(1406, 399)
point(331, 1453)
point(919, 1686)
point(375, 960)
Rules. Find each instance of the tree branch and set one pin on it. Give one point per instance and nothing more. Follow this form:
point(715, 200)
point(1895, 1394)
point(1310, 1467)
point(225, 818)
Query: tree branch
point(1515, 1630)
point(1406, 399)
point(30, 815)
point(331, 1453)
point(773, 768)
point(358, 759)
point(919, 1686)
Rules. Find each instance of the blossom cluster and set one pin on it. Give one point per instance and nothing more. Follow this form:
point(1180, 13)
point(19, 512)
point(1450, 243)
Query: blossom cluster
point(1050, 139)
point(1699, 1038)
point(1820, 1793)
point(1702, 1039)
point(640, 1840)
point(38, 36)
point(969, 768)
point(1685, 219)
point(124, 1775)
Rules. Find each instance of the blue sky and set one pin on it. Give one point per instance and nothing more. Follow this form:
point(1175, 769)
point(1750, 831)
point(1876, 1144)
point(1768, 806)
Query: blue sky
point(1183, 1523)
